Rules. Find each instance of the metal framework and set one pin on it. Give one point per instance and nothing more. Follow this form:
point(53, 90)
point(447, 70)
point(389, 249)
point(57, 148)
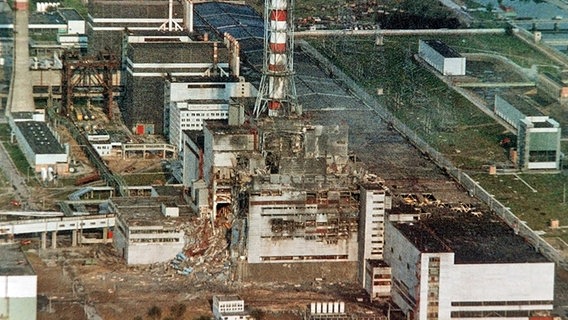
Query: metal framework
point(277, 91)
point(89, 76)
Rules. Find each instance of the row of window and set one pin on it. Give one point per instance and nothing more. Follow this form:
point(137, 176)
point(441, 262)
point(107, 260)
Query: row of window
point(207, 114)
point(154, 240)
point(491, 314)
point(322, 257)
point(499, 303)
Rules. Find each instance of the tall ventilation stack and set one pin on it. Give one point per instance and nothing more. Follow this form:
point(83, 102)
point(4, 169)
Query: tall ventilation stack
point(277, 91)
point(21, 91)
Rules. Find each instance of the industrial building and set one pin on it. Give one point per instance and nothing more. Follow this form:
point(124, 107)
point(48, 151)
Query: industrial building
point(147, 229)
point(451, 265)
point(374, 199)
point(378, 279)
point(18, 283)
point(229, 308)
point(538, 143)
point(504, 108)
point(109, 18)
point(190, 102)
point(149, 58)
point(538, 137)
point(39, 143)
point(441, 57)
point(101, 142)
point(552, 86)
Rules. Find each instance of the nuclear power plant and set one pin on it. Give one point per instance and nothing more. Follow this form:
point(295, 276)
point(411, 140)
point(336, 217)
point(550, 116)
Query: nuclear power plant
point(207, 156)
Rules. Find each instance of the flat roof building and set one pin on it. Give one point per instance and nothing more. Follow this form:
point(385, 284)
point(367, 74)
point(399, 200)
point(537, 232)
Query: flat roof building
point(466, 265)
point(18, 284)
point(38, 143)
point(441, 57)
point(538, 143)
point(229, 308)
point(150, 59)
point(148, 230)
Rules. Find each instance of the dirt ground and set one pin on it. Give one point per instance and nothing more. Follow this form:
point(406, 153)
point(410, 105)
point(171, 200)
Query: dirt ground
point(70, 278)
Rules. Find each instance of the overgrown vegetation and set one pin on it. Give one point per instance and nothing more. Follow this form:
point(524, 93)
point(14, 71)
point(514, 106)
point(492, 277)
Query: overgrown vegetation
point(446, 120)
point(13, 150)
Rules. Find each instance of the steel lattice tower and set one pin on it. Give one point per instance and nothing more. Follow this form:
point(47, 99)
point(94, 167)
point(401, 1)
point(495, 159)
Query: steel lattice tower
point(277, 91)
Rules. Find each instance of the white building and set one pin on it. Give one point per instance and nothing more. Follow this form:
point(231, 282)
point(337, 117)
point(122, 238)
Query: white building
point(18, 285)
point(538, 143)
point(450, 266)
point(229, 308)
point(39, 143)
point(188, 103)
point(374, 199)
point(443, 58)
point(100, 140)
point(378, 279)
point(75, 23)
point(190, 115)
point(147, 229)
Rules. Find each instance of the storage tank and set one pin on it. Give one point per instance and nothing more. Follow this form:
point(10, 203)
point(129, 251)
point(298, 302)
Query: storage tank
point(318, 307)
point(336, 307)
point(341, 307)
point(312, 307)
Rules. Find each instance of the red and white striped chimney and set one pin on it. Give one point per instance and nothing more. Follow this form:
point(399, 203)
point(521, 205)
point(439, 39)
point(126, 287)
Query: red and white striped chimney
point(277, 91)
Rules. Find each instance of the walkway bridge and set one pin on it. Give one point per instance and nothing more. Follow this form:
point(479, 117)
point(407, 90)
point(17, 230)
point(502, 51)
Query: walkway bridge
point(54, 224)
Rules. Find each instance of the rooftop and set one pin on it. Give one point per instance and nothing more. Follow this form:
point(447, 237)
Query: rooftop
point(147, 211)
point(39, 137)
point(136, 9)
point(70, 14)
point(473, 237)
point(177, 52)
point(241, 21)
point(223, 127)
point(229, 298)
point(443, 49)
point(13, 262)
point(375, 263)
point(52, 17)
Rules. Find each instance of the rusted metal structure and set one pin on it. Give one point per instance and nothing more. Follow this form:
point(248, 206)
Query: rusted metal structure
point(87, 76)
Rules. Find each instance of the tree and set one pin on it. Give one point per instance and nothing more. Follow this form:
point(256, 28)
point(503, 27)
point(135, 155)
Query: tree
point(489, 7)
point(155, 313)
point(178, 310)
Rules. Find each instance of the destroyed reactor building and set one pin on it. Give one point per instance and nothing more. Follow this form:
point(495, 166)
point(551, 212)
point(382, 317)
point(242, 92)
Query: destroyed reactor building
point(292, 181)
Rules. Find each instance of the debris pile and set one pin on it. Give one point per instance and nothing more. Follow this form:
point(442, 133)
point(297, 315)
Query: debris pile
point(205, 256)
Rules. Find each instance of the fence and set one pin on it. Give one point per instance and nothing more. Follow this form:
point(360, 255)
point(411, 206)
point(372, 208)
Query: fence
point(469, 184)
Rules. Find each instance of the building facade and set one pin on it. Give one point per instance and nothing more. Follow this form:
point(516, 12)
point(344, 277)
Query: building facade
point(229, 308)
point(189, 102)
point(538, 143)
point(147, 229)
point(38, 143)
point(441, 57)
point(18, 284)
point(109, 18)
point(466, 267)
point(553, 86)
point(374, 200)
point(149, 60)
